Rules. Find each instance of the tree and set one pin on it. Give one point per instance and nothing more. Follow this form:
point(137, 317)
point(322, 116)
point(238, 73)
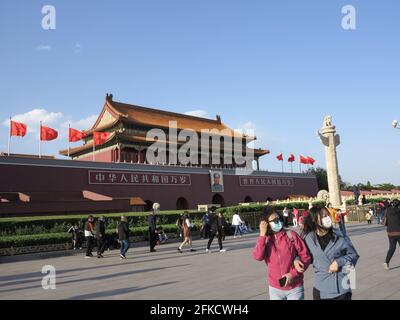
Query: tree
point(322, 177)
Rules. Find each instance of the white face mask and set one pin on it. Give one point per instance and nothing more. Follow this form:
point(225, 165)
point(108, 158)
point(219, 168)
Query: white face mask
point(327, 222)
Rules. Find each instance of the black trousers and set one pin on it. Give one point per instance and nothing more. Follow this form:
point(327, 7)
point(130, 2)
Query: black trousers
point(101, 245)
point(317, 296)
point(392, 247)
point(89, 245)
point(205, 233)
point(212, 236)
point(152, 239)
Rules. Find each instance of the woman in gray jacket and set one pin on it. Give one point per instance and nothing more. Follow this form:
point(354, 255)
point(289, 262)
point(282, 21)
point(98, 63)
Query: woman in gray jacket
point(333, 256)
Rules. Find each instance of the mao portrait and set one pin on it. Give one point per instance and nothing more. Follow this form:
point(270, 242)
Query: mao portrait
point(217, 184)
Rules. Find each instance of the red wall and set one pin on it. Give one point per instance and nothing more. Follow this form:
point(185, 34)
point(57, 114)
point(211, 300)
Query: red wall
point(47, 183)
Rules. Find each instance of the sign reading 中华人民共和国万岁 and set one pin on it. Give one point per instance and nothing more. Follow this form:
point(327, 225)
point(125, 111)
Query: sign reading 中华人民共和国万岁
point(249, 181)
point(138, 178)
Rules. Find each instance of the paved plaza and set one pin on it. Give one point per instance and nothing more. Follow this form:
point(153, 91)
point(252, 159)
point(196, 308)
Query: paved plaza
point(167, 274)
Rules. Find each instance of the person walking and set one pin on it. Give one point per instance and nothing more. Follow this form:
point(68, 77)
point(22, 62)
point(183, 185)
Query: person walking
point(236, 223)
point(340, 219)
point(153, 237)
point(216, 229)
point(123, 236)
point(295, 217)
point(286, 217)
point(368, 217)
point(89, 235)
point(206, 226)
point(333, 256)
point(76, 236)
point(333, 213)
point(186, 226)
point(392, 222)
point(285, 255)
point(381, 212)
point(100, 235)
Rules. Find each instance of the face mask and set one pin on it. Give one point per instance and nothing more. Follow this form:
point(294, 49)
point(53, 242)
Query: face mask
point(327, 222)
point(276, 227)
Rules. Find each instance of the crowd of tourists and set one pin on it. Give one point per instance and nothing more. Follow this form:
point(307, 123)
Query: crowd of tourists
point(318, 237)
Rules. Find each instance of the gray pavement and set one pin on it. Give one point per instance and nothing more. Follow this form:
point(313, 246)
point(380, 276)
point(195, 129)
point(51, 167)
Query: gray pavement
point(167, 274)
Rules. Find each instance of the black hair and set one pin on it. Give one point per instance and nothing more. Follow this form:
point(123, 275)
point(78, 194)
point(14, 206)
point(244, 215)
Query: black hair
point(396, 203)
point(213, 208)
point(267, 213)
point(216, 174)
point(311, 221)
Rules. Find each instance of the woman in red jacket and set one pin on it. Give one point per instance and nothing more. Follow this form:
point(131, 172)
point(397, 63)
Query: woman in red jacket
point(286, 256)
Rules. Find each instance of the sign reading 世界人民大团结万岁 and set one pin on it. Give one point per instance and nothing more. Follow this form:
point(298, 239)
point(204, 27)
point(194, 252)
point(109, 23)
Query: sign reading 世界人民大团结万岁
point(247, 181)
point(138, 178)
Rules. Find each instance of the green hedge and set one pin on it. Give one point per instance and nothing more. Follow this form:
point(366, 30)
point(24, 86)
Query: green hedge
point(60, 224)
point(369, 201)
point(64, 237)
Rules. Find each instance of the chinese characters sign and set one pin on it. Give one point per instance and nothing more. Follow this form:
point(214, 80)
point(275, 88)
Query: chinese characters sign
point(136, 178)
point(249, 181)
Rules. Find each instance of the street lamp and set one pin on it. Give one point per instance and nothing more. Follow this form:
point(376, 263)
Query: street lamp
point(395, 124)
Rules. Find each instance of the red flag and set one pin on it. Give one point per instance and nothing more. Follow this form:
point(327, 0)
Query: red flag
point(280, 157)
point(47, 134)
point(75, 135)
point(100, 137)
point(303, 160)
point(311, 160)
point(18, 129)
point(291, 158)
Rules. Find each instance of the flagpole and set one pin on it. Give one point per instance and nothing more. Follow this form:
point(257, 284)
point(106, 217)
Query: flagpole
point(93, 149)
point(291, 166)
point(40, 140)
point(69, 142)
point(9, 139)
point(282, 165)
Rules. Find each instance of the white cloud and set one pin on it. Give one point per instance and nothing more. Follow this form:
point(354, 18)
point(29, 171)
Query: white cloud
point(77, 48)
point(32, 119)
point(197, 113)
point(82, 124)
point(44, 47)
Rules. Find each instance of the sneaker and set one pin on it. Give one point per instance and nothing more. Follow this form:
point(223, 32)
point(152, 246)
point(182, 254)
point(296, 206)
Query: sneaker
point(222, 250)
point(153, 250)
point(180, 251)
point(193, 250)
point(122, 256)
point(386, 266)
point(208, 250)
point(87, 257)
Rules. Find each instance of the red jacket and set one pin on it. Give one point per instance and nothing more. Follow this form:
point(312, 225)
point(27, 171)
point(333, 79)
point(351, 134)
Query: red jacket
point(279, 253)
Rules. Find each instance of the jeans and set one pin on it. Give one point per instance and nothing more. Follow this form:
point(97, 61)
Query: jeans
point(380, 216)
point(237, 230)
point(124, 247)
point(392, 248)
point(294, 294)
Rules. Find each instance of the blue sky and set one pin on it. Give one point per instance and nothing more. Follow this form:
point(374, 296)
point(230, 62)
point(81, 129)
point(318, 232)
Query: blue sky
point(275, 66)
